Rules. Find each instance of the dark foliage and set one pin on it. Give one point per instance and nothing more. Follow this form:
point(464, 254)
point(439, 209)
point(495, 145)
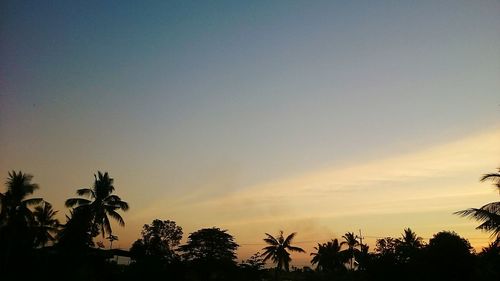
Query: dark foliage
point(448, 257)
point(489, 214)
point(278, 248)
point(34, 245)
point(100, 203)
point(211, 254)
point(252, 269)
point(154, 254)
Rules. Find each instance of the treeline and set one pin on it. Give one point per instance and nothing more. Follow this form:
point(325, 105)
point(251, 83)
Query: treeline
point(35, 244)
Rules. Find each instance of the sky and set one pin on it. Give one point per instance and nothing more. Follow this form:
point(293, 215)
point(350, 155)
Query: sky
point(319, 117)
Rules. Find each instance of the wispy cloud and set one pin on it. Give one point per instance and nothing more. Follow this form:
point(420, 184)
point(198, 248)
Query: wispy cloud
point(447, 171)
point(439, 179)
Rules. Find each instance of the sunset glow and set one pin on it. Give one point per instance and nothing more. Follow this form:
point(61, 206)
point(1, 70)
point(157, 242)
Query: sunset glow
point(315, 117)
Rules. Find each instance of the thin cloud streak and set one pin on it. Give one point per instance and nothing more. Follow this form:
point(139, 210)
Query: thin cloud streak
point(446, 161)
point(420, 189)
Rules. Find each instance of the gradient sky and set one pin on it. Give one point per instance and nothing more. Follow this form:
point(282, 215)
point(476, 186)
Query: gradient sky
point(320, 117)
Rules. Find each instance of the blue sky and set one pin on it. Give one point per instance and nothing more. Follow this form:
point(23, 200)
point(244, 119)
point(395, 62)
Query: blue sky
point(178, 98)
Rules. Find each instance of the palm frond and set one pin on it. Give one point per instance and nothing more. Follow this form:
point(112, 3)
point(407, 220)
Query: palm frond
point(85, 192)
point(116, 201)
point(289, 238)
point(490, 221)
point(491, 176)
point(267, 255)
point(32, 201)
point(107, 225)
point(77, 202)
point(295, 249)
point(495, 177)
point(116, 217)
point(493, 207)
point(271, 240)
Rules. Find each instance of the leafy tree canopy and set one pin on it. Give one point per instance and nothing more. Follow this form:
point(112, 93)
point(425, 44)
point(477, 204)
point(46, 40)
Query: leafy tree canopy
point(210, 244)
point(159, 240)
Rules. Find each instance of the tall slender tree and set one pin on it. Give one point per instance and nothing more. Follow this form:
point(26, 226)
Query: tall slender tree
point(351, 241)
point(278, 249)
point(101, 203)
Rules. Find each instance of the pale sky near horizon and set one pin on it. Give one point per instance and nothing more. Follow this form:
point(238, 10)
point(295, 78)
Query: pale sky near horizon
point(320, 117)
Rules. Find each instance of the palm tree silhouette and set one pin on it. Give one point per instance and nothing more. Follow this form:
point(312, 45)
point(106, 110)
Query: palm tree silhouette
point(16, 218)
point(327, 256)
point(408, 245)
point(278, 249)
point(45, 224)
point(489, 214)
point(101, 203)
point(351, 241)
point(410, 238)
point(14, 205)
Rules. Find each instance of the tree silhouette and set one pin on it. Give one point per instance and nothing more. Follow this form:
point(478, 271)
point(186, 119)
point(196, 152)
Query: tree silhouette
point(363, 256)
point(101, 203)
point(16, 220)
point(386, 246)
point(210, 244)
point(488, 261)
point(252, 268)
point(410, 239)
point(14, 204)
point(158, 241)
point(350, 239)
point(46, 224)
point(328, 256)
point(489, 214)
point(77, 233)
point(154, 253)
point(408, 246)
point(211, 254)
point(448, 257)
point(278, 249)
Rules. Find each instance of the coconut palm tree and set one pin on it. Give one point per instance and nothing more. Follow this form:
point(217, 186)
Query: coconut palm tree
point(16, 218)
point(408, 245)
point(101, 203)
point(351, 240)
point(410, 238)
point(489, 214)
point(278, 249)
point(14, 206)
point(327, 256)
point(45, 224)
